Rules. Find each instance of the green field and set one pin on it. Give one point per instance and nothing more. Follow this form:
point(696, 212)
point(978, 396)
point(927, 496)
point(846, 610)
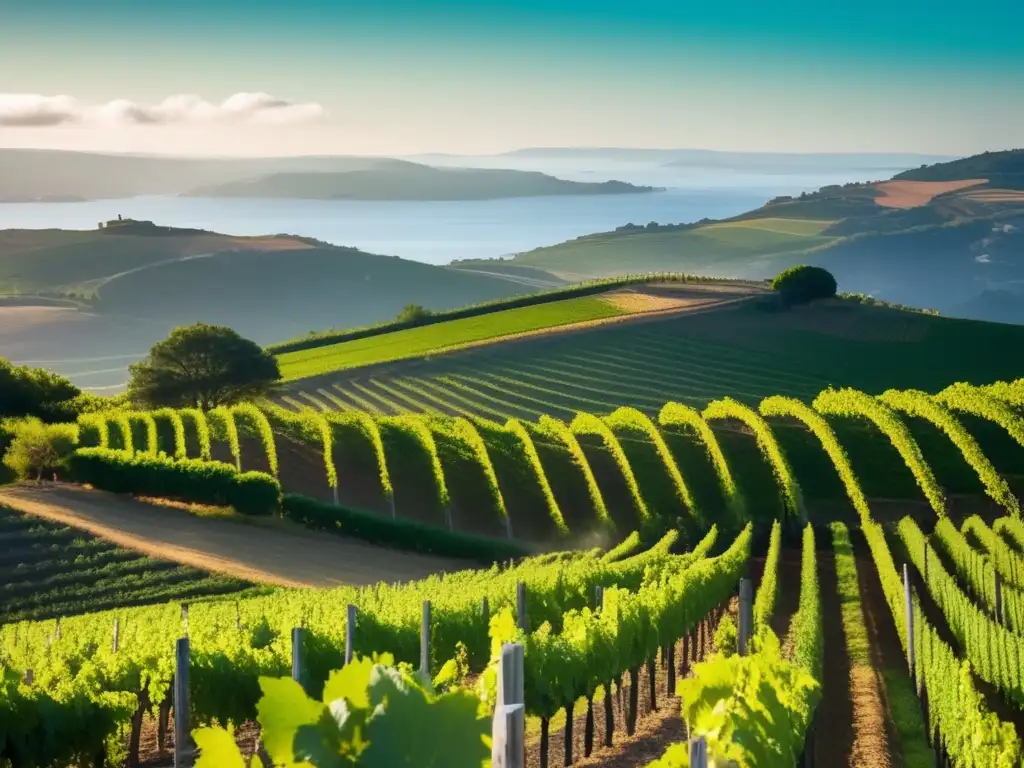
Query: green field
point(741, 352)
point(722, 249)
point(49, 570)
point(414, 342)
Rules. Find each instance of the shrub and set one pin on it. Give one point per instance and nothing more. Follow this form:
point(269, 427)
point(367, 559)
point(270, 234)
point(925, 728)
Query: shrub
point(398, 533)
point(190, 480)
point(36, 448)
point(803, 284)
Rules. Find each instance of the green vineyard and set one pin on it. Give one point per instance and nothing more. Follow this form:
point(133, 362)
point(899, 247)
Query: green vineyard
point(683, 493)
point(542, 480)
point(49, 570)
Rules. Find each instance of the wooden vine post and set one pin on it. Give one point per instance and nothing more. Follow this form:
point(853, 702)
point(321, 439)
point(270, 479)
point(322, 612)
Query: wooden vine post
point(746, 617)
point(508, 730)
point(182, 729)
point(698, 753)
point(909, 610)
point(350, 633)
point(425, 641)
point(297, 654)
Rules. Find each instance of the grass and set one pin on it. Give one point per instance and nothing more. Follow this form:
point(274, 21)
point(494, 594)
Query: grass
point(414, 342)
point(721, 248)
point(48, 570)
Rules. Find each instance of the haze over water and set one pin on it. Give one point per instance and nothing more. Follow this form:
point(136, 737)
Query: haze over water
point(438, 232)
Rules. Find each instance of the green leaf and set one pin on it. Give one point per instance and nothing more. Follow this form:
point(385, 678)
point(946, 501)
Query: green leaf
point(284, 710)
point(407, 734)
point(217, 749)
point(350, 683)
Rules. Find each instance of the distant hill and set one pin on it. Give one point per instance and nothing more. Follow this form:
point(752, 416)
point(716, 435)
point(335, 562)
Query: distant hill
point(1001, 169)
point(124, 292)
point(36, 174)
point(938, 237)
point(411, 181)
point(725, 159)
point(55, 176)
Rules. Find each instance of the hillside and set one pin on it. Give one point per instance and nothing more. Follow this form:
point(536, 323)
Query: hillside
point(410, 181)
point(119, 294)
point(740, 350)
point(999, 169)
point(31, 174)
point(939, 236)
point(47, 175)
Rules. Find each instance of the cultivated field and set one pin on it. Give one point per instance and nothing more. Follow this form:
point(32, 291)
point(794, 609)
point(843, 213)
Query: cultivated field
point(831, 597)
point(911, 194)
point(48, 569)
point(738, 351)
point(282, 555)
point(556, 317)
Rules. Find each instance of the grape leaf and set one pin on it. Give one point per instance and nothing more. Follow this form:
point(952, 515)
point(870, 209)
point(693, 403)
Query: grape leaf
point(217, 749)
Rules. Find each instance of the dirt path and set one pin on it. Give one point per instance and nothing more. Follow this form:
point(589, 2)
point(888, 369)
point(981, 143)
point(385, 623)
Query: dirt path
point(834, 718)
point(905, 719)
point(283, 554)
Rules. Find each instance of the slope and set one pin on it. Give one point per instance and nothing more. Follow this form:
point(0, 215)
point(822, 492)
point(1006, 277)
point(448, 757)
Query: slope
point(129, 291)
point(938, 237)
point(741, 351)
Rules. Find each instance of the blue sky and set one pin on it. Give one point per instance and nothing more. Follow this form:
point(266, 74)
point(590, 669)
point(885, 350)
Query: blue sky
point(401, 77)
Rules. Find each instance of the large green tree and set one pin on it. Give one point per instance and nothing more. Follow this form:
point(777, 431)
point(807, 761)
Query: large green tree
point(202, 366)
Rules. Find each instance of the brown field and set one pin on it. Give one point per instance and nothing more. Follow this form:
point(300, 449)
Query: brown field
point(911, 194)
point(665, 297)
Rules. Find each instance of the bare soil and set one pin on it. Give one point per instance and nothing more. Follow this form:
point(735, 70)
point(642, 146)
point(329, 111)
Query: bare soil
point(911, 194)
point(270, 551)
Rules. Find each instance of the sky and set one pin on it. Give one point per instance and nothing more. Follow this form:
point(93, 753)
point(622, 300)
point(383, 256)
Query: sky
point(404, 77)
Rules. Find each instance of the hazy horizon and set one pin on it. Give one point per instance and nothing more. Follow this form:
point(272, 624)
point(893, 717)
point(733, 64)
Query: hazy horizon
point(397, 78)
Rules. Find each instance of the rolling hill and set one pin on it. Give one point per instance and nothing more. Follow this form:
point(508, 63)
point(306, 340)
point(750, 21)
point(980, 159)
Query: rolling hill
point(411, 181)
point(692, 353)
point(937, 236)
point(106, 298)
point(49, 175)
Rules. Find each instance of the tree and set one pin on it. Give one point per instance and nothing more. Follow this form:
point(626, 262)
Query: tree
point(37, 392)
point(202, 366)
point(804, 284)
point(37, 447)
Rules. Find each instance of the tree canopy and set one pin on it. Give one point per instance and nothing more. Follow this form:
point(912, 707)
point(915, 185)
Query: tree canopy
point(202, 366)
point(36, 392)
point(804, 283)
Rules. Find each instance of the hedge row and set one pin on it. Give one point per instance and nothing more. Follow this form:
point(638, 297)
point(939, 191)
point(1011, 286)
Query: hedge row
point(190, 480)
point(399, 533)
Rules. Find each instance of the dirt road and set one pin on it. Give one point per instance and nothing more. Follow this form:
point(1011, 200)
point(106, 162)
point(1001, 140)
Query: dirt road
point(282, 554)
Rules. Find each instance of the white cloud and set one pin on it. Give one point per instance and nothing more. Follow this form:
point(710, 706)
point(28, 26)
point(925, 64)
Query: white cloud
point(36, 110)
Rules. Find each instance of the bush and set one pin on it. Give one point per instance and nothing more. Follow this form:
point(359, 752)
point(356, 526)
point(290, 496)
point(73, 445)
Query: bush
point(35, 448)
point(803, 284)
point(399, 534)
point(190, 480)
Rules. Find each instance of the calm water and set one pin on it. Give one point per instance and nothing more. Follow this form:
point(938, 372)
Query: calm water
point(438, 232)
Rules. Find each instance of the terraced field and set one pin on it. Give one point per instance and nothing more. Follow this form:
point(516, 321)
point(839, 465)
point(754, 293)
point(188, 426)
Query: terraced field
point(49, 570)
point(523, 322)
point(740, 352)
